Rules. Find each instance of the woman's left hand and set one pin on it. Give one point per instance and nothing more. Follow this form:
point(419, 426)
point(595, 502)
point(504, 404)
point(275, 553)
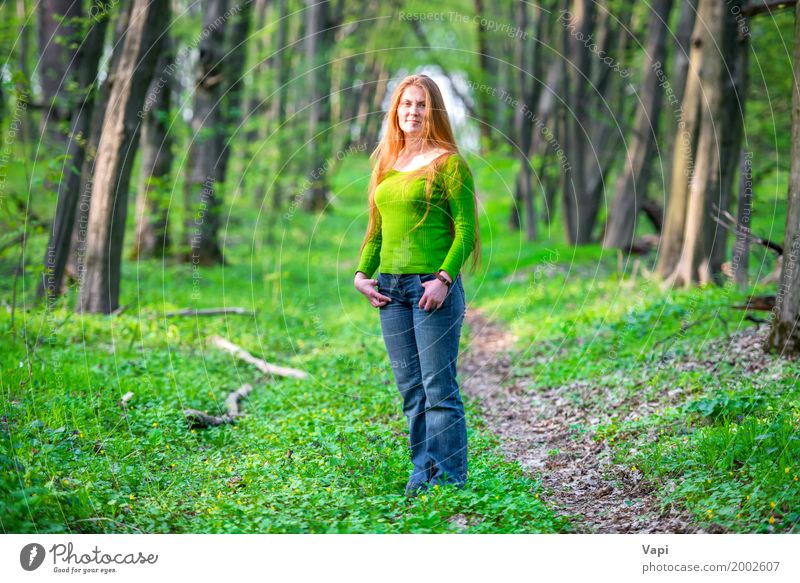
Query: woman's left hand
point(434, 295)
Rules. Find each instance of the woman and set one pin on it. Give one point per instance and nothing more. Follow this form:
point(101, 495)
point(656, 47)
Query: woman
point(422, 227)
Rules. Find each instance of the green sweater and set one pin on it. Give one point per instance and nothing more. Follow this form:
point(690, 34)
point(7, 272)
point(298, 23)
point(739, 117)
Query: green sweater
point(431, 246)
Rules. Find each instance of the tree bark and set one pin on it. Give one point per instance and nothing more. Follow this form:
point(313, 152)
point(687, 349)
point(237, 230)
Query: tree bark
point(58, 247)
point(201, 189)
point(58, 32)
point(375, 115)
point(100, 289)
point(76, 259)
point(741, 256)
point(322, 19)
point(632, 183)
point(784, 335)
point(256, 94)
point(23, 84)
point(152, 217)
point(674, 85)
point(528, 70)
point(488, 67)
point(716, 39)
point(236, 55)
point(580, 210)
point(683, 155)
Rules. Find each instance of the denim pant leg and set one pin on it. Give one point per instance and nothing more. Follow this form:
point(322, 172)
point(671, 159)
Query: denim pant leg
point(437, 337)
point(397, 324)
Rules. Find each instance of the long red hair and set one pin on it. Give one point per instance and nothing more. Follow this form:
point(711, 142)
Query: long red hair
point(437, 134)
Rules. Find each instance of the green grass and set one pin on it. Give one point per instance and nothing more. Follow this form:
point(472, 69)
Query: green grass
point(328, 454)
point(715, 438)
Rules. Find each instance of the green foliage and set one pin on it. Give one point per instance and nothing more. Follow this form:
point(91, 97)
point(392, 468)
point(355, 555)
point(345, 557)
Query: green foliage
point(725, 405)
point(328, 454)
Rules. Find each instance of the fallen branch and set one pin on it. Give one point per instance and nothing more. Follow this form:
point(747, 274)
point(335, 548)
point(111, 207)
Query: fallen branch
point(199, 419)
point(760, 303)
point(209, 312)
point(261, 365)
point(685, 327)
point(755, 7)
point(732, 225)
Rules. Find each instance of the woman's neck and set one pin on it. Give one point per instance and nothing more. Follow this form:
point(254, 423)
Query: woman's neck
point(414, 146)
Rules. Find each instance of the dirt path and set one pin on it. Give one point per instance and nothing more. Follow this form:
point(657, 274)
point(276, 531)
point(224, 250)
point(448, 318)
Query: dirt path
point(537, 429)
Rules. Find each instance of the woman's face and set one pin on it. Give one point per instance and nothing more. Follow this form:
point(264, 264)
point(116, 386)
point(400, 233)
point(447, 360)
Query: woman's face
point(411, 110)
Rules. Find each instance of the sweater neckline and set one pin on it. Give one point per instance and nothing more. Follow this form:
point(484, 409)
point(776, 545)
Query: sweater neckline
point(393, 169)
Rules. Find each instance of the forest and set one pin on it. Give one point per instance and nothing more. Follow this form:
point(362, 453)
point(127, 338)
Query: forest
point(183, 194)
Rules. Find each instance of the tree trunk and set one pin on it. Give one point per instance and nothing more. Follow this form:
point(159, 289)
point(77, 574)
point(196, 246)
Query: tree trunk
point(369, 116)
point(716, 39)
point(58, 42)
point(741, 255)
point(256, 94)
point(23, 84)
point(58, 247)
point(731, 127)
point(784, 335)
point(77, 253)
point(488, 67)
point(201, 190)
point(580, 210)
point(152, 222)
point(236, 54)
point(685, 143)
point(674, 85)
point(632, 183)
point(100, 289)
point(322, 19)
point(528, 69)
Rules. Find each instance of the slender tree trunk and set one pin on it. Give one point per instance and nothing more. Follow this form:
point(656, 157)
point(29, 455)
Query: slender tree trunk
point(674, 85)
point(731, 128)
point(784, 335)
point(375, 116)
point(267, 101)
point(256, 93)
point(744, 208)
point(100, 289)
point(23, 85)
point(285, 60)
point(543, 137)
point(76, 259)
point(632, 183)
point(322, 19)
point(201, 188)
point(58, 246)
point(580, 210)
point(371, 94)
point(152, 216)
point(528, 69)
point(708, 189)
point(489, 68)
point(58, 42)
point(683, 163)
point(350, 92)
point(237, 34)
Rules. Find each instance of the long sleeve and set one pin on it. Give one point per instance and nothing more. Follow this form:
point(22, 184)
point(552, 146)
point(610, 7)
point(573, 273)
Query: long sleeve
point(371, 255)
point(461, 198)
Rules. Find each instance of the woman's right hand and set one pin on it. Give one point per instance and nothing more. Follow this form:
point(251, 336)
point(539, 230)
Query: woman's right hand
point(367, 287)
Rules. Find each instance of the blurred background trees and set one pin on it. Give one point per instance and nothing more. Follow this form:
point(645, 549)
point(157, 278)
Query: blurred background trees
point(626, 124)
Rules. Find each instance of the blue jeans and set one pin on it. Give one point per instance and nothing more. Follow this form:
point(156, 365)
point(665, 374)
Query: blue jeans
point(423, 350)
